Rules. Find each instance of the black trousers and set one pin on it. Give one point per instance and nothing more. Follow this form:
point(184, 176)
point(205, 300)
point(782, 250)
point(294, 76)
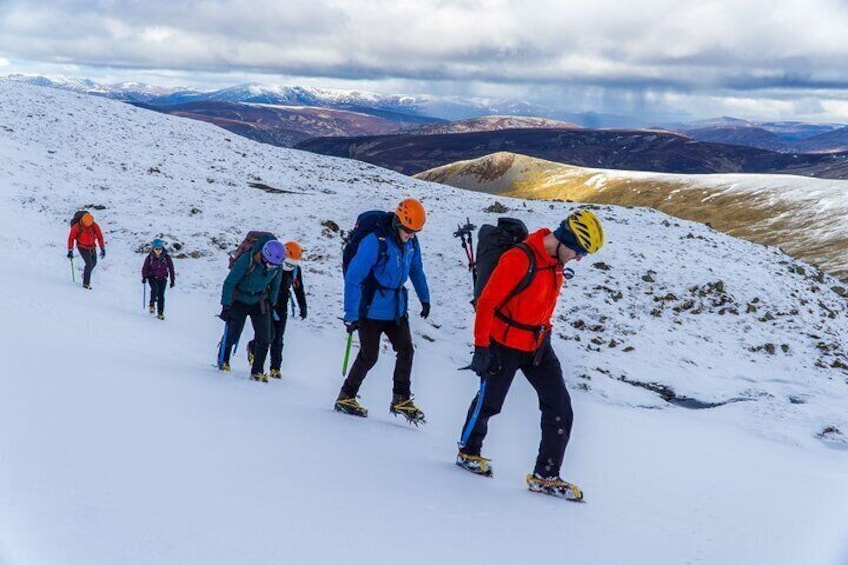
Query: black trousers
point(545, 376)
point(261, 322)
point(89, 257)
point(369, 351)
point(157, 293)
point(278, 330)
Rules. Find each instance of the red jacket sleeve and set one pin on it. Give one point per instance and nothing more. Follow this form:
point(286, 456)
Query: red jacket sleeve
point(73, 235)
point(506, 276)
point(98, 235)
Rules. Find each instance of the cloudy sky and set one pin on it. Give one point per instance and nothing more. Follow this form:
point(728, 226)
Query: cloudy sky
point(655, 59)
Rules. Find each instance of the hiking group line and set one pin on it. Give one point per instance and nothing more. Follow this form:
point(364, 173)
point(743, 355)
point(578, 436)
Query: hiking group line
point(517, 277)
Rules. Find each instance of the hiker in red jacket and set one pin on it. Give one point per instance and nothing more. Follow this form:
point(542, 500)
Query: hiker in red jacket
point(87, 234)
point(512, 331)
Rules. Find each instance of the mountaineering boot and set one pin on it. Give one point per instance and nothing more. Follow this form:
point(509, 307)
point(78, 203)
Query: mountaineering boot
point(160, 316)
point(87, 286)
point(259, 377)
point(554, 486)
point(408, 410)
point(475, 464)
point(348, 405)
point(250, 355)
point(150, 308)
point(276, 374)
point(224, 367)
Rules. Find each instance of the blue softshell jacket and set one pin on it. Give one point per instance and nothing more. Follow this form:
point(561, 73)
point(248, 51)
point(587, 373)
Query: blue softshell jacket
point(402, 262)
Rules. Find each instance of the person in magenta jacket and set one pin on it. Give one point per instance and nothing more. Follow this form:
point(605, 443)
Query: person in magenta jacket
point(157, 267)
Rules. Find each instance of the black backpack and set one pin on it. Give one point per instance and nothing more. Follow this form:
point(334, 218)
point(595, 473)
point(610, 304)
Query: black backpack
point(374, 221)
point(494, 241)
point(77, 217)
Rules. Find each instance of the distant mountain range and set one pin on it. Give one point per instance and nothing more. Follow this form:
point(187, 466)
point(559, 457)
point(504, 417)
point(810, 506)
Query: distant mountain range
point(786, 137)
point(434, 108)
point(288, 125)
point(415, 133)
point(638, 150)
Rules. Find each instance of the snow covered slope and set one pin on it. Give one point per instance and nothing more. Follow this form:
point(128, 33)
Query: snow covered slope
point(121, 444)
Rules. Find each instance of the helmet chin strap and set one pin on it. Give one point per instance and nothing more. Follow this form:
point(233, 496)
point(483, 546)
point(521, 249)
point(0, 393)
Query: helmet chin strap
point(556, 253)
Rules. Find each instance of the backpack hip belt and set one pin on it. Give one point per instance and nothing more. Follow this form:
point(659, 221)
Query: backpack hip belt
point(538, 330)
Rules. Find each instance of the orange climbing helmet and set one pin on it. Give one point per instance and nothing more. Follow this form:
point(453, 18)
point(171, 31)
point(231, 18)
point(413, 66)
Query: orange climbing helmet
point(293, 251)
point(86, 220)
point(411, 215)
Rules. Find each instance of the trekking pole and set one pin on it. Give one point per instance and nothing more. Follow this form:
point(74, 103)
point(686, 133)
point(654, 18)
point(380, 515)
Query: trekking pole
point(466, 433)
point(73, 272)
point(347, 353)
point(464, 233)
point(222, 345)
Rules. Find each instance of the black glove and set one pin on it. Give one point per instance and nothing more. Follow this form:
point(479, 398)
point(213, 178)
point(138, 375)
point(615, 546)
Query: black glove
point(481, 361)
point(225, 313)
point(70, 253)
point(425, 310)
point(143, 281)
point(303, 313)
point(351, 326)
point(102, 252)
point(172, 283)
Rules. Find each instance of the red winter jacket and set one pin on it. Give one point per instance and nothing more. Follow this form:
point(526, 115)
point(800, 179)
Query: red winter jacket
point(86, 237)
point(534, 306)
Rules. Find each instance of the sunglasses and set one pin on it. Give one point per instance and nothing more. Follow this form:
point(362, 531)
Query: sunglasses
point(576, 248)
point(404, 229)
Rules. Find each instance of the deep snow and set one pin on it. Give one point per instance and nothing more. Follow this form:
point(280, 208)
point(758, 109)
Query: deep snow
point(121, 444)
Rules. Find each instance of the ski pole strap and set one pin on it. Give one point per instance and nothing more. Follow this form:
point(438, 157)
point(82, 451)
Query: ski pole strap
point(478, 404)
point(347, 353)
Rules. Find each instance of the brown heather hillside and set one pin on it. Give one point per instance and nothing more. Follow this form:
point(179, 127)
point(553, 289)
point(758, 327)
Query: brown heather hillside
point(807, 218)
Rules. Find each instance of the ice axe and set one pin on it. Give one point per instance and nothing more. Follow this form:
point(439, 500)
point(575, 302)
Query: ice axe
point(464, 233)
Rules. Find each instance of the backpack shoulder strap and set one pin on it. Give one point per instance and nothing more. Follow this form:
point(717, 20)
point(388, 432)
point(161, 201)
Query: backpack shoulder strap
point(528, 275)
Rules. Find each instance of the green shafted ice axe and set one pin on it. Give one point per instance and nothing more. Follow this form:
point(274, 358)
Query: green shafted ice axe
point(347, 353)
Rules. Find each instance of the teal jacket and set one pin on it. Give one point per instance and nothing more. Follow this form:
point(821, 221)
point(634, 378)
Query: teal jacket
point(250, 281)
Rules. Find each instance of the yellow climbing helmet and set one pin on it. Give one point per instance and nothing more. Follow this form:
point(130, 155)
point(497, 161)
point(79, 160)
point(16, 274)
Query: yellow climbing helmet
point(587, 229)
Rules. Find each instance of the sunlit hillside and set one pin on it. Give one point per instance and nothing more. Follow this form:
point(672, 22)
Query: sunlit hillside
point(807, 218)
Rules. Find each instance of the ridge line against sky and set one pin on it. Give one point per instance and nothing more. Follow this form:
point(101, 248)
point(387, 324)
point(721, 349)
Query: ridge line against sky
point(654, 59)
